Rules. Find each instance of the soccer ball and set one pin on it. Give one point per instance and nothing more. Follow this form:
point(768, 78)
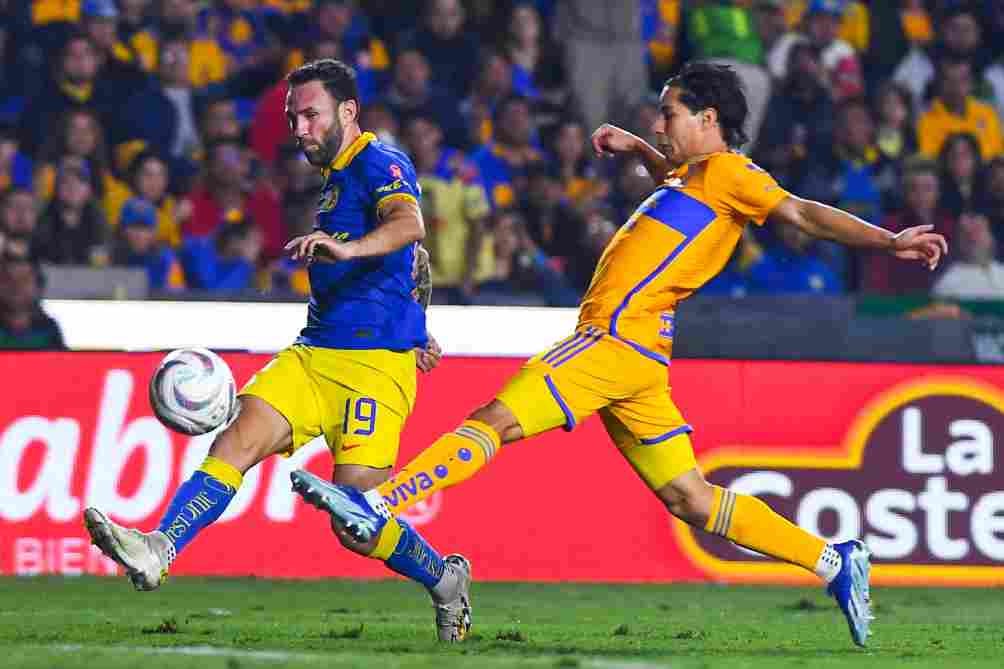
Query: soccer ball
point(193, 391)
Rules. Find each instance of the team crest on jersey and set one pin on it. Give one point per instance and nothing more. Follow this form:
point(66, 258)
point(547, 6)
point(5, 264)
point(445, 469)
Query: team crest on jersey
point(329, 198)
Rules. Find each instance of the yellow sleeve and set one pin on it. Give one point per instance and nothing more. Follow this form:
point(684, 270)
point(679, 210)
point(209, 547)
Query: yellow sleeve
point(168, 229)
point(45, 182)
point(994, 135)
point(855, 26)
point(145, 46)
point(209, 64)
point(379, 57)
point(928, 136)
point(116, 194)
point(744, 187)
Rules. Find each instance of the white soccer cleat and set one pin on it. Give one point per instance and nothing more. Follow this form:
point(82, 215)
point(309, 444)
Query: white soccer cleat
point(144, 556)
point(453, 618)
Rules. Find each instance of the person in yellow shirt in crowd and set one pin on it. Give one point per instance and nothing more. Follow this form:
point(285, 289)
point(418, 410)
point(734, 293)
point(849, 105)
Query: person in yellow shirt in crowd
point(456, 211)
point(955, 110)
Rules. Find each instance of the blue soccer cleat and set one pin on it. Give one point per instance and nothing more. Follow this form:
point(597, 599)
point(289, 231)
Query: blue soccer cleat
point(362, 515)
point(850, 588)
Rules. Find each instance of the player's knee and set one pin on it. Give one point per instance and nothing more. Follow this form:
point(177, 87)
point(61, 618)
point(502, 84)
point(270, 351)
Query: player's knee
point(258, 431)
point(498, 416)
point(690, 503)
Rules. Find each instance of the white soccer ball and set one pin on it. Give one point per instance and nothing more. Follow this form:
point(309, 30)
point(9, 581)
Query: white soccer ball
point(193, 391)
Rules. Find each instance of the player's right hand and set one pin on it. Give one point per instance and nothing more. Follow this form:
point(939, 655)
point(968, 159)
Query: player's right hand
point(609, 140)
point(319, 246)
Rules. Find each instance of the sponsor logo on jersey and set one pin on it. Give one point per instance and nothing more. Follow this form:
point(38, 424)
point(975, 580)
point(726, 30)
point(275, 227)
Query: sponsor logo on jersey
point(329, 198)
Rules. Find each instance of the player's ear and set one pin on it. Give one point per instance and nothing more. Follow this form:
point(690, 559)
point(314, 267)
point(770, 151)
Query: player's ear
point(348, 111)
point(709, 117)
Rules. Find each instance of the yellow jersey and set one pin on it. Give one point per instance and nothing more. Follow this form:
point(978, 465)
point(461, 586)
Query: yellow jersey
point(680, 237)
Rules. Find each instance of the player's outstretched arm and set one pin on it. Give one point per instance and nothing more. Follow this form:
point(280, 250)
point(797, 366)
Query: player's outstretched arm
point(609, 140)
point(826, 222)
point(401, 224)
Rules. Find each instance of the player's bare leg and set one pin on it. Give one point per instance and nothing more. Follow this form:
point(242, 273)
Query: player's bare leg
point(749, 522)
point(258, 432)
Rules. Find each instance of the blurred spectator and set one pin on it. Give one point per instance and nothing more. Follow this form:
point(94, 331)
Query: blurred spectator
point(916, 22)
point(380, 120)
point(72, 229)
point(18, 213)
point(15, 166)
point(502, 162)
point(218, 121)
point(455, 210)
point(179, 20)
point(606, 69)
point(226, 263)
point(162, 113)
point(633, 185)
point(341, 23)
point(135, 32)
point(882, 274)
point(821, 24)
point(23, 323)
point(227, 192)
point(799, 118)
point(960, 170)
point(74, 83)
point(579, 181)
point(959, 39)
point(660, 30)
point(148, 179)
point(537, 70)
point(991, 201)
point(723, 32)
point(895, 133)
point(855, 19)
point(492, 85)
point(523, 274)
point(447, 47)
point(411, 94)
point(554, 225)
point(853, 174)
point(238, 26)
point(956, 110)
point(976, 275)
point(77, 134)
point(792, 267)
point(771, 26)
point(137, 246)
point(122, 66)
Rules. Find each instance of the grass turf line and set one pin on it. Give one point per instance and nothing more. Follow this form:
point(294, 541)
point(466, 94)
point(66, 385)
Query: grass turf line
point(99, 622)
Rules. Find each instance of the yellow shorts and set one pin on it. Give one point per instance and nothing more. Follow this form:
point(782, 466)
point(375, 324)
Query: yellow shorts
point(358, 400)
point(593, 372)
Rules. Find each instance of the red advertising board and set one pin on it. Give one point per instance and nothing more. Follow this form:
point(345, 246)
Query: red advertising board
point(906, 456)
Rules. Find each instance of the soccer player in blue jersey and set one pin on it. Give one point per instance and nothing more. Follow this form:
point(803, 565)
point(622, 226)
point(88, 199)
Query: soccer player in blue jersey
point(350, 375)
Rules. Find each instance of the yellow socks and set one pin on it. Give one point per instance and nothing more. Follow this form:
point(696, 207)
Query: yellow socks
point(747, 521)
point(452, 458)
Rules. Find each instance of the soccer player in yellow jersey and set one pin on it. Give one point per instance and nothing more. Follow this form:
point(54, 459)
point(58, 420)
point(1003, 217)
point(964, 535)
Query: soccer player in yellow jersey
point(615, 362)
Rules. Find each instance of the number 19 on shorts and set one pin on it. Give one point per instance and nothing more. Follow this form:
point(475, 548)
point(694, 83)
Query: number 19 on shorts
point(359, 416)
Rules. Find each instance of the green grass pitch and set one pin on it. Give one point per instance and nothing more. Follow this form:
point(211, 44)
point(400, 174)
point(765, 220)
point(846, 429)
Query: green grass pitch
point(98, 623)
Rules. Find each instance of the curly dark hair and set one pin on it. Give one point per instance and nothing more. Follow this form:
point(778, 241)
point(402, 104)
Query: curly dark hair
point(707, 86)
point(338, 78)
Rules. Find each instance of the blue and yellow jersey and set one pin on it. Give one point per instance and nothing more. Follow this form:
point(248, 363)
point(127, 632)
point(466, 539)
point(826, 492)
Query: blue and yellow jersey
point(365, 303)
point(680, 237)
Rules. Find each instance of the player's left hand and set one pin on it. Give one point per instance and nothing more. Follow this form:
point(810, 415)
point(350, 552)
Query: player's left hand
point(321, 247)
point(919, 243)
point(428, 358)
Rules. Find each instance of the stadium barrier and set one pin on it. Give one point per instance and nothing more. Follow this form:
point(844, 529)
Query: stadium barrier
point(906, 456)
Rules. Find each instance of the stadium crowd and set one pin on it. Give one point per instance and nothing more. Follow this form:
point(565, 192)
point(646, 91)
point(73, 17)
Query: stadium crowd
point(151, 134)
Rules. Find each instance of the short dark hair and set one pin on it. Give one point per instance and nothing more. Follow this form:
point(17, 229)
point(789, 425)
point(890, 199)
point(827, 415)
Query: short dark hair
point(707, 86)
point(338, 78)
